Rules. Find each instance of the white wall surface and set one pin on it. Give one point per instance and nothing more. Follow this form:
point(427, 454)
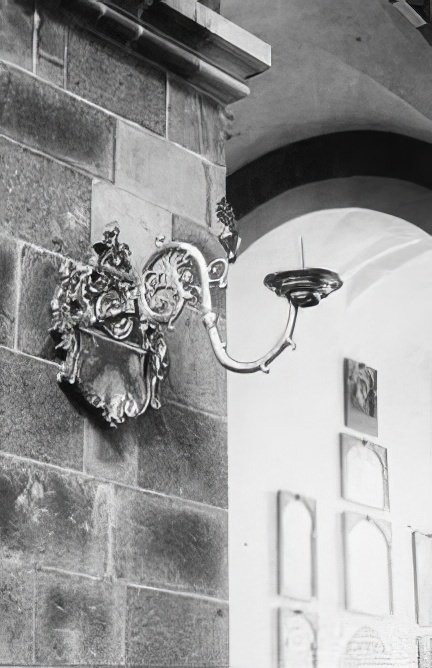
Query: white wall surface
point(284, 428)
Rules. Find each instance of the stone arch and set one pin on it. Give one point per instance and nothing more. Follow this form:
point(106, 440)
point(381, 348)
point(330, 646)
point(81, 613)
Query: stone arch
point(382, 171)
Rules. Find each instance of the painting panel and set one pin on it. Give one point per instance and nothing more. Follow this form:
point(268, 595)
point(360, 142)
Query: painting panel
point(424, 652)
point(422, 556)
point(361, 400)
point(297, 640)
point(364, 472)
point(368, 573)
point(365, 648)
point(296, 548)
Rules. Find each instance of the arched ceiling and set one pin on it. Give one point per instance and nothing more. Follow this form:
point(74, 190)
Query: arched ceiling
point(337, 65)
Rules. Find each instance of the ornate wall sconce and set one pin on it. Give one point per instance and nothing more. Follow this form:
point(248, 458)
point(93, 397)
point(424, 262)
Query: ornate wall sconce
point(98, 304)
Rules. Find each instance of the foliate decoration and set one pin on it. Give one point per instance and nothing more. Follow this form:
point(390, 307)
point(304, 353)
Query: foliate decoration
point(218, 272)
point(169, 281)
point(98, 303)
point(109, 322)
point(229, 237)
point(364, 472)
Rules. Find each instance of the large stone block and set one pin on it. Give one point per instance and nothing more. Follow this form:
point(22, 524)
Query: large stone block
point(195, 376)
point(196, 122)
point(165, 174)
point(52, 518)
point(175, 631)
point(139, 221)
point(49, 119)
point(115, 80)
point(112, 453)
point(39, 277)
point(16, 614)
point(184, 453)
point(201, 237)
point(9, 260)
point(51, 47)
point(78, 621)
point(16, 31)
point(170, 543)
point(36, 419)
point(43, 202)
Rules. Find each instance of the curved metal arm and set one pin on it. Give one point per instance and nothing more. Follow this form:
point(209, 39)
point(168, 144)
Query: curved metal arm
point(107, 300)
point(219, 348)
point(201, 298)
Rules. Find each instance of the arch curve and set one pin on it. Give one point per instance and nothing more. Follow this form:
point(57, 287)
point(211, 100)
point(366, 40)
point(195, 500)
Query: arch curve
point(382, 171)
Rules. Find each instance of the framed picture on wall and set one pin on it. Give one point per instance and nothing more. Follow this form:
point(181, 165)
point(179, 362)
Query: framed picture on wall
point(365, 648)
point(361, 401)
point(368, 571)
point(296, 546)
point(424, 651)
point(364, 472)
point(422, 556)
point(297, 640)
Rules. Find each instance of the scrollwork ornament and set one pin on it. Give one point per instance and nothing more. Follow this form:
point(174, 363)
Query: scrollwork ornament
point(98, 303)
point(109, 321)
point(168, 282)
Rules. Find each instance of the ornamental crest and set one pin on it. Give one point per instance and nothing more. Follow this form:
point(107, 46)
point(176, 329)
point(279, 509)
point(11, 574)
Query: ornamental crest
point(94, 306)
point(109, 321)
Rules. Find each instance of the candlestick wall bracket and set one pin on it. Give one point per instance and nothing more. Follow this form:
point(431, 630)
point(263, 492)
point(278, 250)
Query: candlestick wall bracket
point(103, 303)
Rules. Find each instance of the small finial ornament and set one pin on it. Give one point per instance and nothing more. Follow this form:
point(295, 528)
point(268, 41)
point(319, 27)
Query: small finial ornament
point(229, 237)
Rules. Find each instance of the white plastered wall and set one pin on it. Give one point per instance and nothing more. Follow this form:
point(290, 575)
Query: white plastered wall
point(284, 428)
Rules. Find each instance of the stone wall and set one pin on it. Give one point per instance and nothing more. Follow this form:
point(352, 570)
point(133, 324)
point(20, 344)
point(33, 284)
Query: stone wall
point(112, 541)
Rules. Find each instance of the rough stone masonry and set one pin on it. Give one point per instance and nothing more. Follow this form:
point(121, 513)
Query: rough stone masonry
point(113, 543)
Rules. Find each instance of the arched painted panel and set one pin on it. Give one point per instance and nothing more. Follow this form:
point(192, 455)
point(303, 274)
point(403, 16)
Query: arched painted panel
point(422, 553)
point(364, 650)
point(296, 547)
point(365, 477)
point(364, 472)
point(297, 641)
point(368, 576)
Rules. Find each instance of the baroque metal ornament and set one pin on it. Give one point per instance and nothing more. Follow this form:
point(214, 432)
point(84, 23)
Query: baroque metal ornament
point(95, 306)
point(109, 322)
